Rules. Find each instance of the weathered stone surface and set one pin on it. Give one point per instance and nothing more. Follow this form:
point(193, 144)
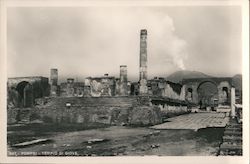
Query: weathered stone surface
point(143, 89)
point(101, 86)
point(11, 116)
point(122, 85)
point(194, 121)
point(53, 82)
point(223, 86)
point(106, 110)
point(145, 115)
point(232, 139)
point(13, 98)
point(169, 111)
point(22, 91)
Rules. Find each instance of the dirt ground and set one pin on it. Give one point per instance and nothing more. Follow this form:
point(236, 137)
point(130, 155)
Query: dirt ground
point(113, 141)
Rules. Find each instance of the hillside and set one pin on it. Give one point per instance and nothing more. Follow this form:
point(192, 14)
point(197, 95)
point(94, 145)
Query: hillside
point(178, 76)
point(237, 82)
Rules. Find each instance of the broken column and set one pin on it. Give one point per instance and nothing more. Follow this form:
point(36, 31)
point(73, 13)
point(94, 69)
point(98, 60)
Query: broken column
point(123, 80)
point(232, 102)
point(143, 89)
point(70, 87)
point(53, 82)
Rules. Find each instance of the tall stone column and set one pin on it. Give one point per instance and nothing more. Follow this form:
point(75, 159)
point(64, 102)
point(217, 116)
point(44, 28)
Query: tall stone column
point(183, 92)
point(233, 102)
point(123, 80)
point(143, 89)
point(53, 76)
point(70, 87)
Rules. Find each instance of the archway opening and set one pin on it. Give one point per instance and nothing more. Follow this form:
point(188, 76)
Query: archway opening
point(190, 94)
point(207, 94)
point(225, 96)
point(132, 89)
point(25, 92)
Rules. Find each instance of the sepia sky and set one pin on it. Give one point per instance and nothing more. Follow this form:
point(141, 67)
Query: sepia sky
point(92, 41)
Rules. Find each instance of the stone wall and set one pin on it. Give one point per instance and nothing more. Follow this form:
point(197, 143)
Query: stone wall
point(222, 84)
point(168, 111)
point(170, 91)
point(133, 111)
point(101, 86)
point(145, 115)
point(22, 91)
point(107, 115)
point(162, 88)
point(72, 89)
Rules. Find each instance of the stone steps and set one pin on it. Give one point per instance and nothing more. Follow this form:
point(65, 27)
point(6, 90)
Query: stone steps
point(232, 133)
point(232, 139)
point(230, 149)
point(234, 128)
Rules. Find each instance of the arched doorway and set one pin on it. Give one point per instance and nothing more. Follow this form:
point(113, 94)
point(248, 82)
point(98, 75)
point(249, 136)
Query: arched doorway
point(190, 94)
point(225, 96)
point(132, 89)
point(25, 91)
point(207, 94)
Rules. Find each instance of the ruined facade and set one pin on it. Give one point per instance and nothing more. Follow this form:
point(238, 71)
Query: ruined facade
point(22, 91)
point(100, 86)
point(208, 91)
point(162, 88)
point(110, 86)
point(72, 88)
point(103, 86)
point(106, 86)
point(192, 90)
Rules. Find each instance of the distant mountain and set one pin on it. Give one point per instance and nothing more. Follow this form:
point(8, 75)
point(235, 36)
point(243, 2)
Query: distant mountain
point(237, 82)
point(178, 76)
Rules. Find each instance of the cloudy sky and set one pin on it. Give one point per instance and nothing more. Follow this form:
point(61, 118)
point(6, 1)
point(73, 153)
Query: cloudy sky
point(91, 41)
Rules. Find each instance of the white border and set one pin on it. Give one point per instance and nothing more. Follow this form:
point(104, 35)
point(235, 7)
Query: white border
point(146, 159)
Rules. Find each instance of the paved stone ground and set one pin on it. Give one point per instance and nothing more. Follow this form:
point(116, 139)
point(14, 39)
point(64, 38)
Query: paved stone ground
point(195, 121)
point(130, 141)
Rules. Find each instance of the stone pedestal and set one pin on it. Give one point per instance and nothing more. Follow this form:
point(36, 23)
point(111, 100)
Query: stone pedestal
point(143, 89)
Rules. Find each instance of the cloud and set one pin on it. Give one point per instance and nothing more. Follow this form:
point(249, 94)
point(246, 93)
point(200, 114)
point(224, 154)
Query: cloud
point(114, 33)
point(92, 41)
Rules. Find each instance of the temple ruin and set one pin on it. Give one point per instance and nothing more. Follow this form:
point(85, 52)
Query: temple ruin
point(115, 100)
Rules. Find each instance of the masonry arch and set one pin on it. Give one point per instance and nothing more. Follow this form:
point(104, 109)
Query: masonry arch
point(207, 94)
point(25, 91)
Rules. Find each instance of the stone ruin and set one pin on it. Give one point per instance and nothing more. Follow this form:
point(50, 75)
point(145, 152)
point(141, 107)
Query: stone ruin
point(155, 98)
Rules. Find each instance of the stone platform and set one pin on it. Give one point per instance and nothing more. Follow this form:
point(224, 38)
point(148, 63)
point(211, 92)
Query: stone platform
point(194, 121)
